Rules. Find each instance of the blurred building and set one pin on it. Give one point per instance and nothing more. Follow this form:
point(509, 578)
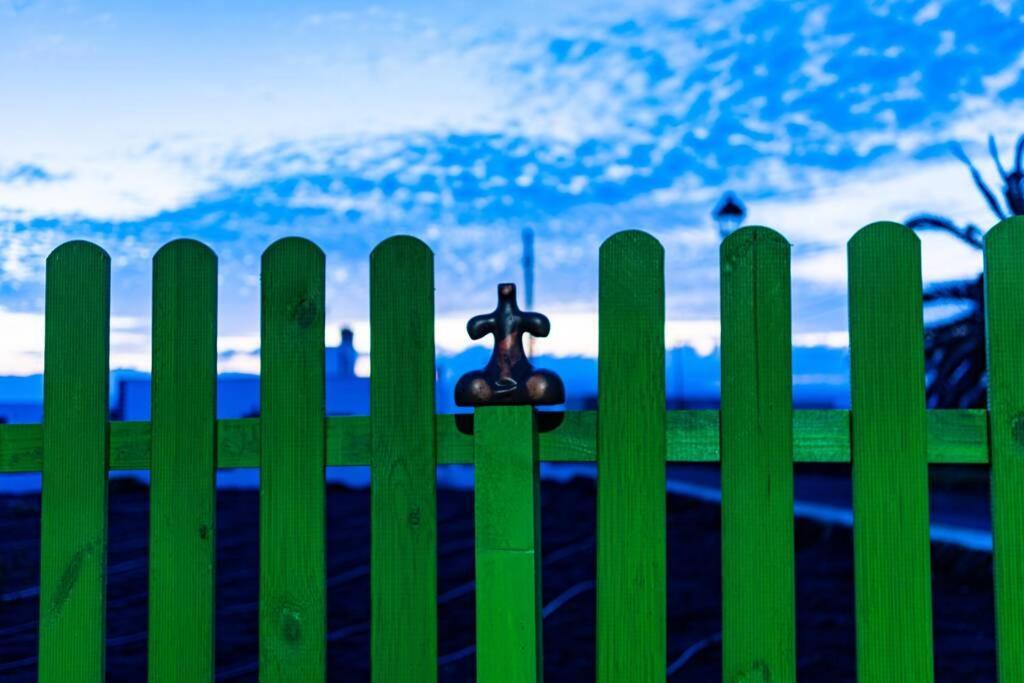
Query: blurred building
point(239, 395)
point(20, 412)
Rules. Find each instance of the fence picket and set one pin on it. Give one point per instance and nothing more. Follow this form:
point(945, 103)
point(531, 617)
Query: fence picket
point(509, 643)
point(890, 471)
point(1004, 288)
point(758, 608)
point(183, 467)
point(292, 460)
point(72, 591)
point(403, 463)
point(631, 581)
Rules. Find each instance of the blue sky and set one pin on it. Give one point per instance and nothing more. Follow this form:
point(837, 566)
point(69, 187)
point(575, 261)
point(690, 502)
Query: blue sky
point(239, 123)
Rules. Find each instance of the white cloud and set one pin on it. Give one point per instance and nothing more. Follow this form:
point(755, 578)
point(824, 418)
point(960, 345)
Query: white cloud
point(928, 12)
point(21, 344)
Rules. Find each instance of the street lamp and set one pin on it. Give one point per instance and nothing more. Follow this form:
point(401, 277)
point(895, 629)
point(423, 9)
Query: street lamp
point(728, 214)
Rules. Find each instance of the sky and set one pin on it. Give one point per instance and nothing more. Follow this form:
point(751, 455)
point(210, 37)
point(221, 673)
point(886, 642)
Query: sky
point(461, 123)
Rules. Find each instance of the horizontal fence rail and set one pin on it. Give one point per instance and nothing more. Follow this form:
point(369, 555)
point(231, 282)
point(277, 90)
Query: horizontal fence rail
point(888, 436)
point(955, 437)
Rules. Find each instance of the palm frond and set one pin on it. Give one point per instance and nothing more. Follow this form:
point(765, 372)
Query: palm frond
point(969, 234)
point(979, 182)
point(958, 290)
point(994, 153)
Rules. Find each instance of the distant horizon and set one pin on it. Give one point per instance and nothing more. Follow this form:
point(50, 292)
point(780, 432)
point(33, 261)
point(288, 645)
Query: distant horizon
point(820, 378)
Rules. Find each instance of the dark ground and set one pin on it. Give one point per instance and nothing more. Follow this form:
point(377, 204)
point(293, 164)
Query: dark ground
point(962, 590)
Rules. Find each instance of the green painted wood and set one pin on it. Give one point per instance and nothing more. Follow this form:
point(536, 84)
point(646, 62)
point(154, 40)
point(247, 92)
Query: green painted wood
point(1004, 289)
point(509, 642)
point(21, 448)
point(758, 579)
point(958, 437)
point(403, 557)
point(292, 460)
point(184, 463)
point(631, 588)
point(955, 437)
point(890, 465)
point(72, 590)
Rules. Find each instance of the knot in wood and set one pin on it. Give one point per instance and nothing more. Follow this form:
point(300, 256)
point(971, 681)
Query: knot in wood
point(509, 378)
point(304, 311)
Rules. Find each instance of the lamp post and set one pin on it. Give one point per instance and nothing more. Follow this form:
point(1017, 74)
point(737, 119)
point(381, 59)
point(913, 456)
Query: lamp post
point(528, 267)
point(728, 214)
point(528, 276)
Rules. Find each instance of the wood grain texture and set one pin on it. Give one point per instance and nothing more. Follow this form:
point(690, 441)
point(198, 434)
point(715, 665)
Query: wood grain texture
point(403, 463)
point(758, 579)
point(631, 581)
point(890, 473)
point(292, 460)
point(955, 437)
point(72, 585)
point(183, 470)
point(509, 626)
point(1004, 291)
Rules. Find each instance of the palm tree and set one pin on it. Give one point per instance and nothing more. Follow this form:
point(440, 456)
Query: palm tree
point(955, 345)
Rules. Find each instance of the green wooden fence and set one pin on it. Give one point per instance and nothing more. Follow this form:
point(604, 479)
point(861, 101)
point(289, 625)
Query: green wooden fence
point(757, 436)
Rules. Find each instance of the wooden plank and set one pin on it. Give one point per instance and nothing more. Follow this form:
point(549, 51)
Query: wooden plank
point(1004, 287)
point(821, 436)
point(238, 443)
point(631, 588)
point(692, 436)
point(509, 642)
point(292, 570)
point(184, 463)
point(72, 590)
point(955, 437)
point(403, 559)
point(758, 579)
point(890, 466)
point(21, 448)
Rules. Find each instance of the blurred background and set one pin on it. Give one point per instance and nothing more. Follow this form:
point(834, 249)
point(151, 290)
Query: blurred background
point(467, 125)
point(513, 138)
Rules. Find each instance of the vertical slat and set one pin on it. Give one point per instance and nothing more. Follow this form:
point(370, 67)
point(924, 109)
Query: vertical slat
point(72, 591)
point(1004, 291)
point(631, 588)
point(292, 581)
point(890, 466)
point(403, 520)
point(509, 645)
point(758, 608)
point(184, 462)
